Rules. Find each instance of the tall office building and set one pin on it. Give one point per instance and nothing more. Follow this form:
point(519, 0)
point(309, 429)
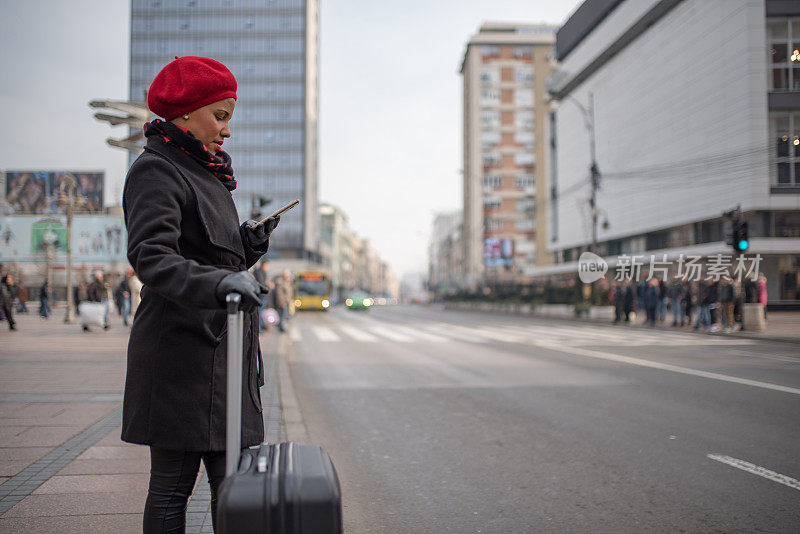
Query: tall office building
point(505, 111)
point(271, 46)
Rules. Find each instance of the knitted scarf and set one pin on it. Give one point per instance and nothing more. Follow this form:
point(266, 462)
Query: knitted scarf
point(218, 164)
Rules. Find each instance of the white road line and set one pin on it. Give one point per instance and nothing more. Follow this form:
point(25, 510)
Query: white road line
point(447, 330)
point(418, 333)
point(357, 334)
point(325, 334)
point(294, 333)
point(389, 333)
point(674, 368)
point(492, 333)
point(757, 470)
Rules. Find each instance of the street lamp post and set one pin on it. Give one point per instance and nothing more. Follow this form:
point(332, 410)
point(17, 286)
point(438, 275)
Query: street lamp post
point(69, 200)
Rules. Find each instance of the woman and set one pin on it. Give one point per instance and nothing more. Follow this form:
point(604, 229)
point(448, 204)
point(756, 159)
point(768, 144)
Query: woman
point(186, 246)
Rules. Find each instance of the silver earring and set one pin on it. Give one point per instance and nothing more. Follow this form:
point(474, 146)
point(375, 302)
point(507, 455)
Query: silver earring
point(186, 117)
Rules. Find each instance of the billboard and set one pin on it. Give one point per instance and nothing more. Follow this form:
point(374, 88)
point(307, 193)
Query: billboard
point(95, 238)
point(498, 252)
point(37, 191)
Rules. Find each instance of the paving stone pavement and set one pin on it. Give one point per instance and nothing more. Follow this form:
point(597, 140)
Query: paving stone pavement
point(63, 467)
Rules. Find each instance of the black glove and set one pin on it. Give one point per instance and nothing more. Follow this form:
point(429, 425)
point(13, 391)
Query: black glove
point(257, 235)
point(243, 283)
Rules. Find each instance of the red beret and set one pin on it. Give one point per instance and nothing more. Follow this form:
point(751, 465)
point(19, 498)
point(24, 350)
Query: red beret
point(188, 83)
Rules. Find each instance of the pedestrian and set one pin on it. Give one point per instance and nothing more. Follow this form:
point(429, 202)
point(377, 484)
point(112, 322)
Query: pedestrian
point(123, 293)
point(22, 298)
point(662, 301)
point(44, 300)
point(262, 277)
point(704, 304)
point(81, 294)
point(187, 248)
point(761, 292)
point(619, 302)
point(98, 292)
point(675, 296)
point(629, 299)
point(283, 294)
point(727, 297)
point(652, 297)
point(7, 300)
point(688, 302)
point(714, 306)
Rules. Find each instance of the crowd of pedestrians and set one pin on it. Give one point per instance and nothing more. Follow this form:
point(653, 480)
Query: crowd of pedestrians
point(714, 305)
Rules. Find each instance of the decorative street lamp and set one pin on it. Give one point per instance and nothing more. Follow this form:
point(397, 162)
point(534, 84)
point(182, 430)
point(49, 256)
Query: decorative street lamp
point(69, 200)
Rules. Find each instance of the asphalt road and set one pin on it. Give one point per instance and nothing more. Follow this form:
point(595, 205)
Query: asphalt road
point(444, 421)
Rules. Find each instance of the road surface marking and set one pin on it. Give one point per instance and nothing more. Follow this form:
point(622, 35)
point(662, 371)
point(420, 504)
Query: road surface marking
point(416, 332)
point(391, 334)
point(757, 470)
point(447, 330)
point(357, 334)
point(674, 368)
point(325, 334)
point(294, 333)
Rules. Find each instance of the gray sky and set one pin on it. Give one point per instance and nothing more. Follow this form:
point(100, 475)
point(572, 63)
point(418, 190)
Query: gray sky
point(390, 101)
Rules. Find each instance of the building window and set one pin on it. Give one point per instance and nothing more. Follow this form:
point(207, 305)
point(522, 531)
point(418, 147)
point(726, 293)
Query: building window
point(489, 76)
point(523, 52)
point(491, 182)
point(524, 119)
point(784, 51)
point(526, 182)
point(526, 225)
point(492, 224)
point(491, 159)
point(523, 97)
point(785, 140)
point(490, 51)
point(523, 158)
point(524, 75)
point(489, 140)
point(490, 96)
point(525, 139)
point(492, 203)
point(526, 205)
point(490, 119)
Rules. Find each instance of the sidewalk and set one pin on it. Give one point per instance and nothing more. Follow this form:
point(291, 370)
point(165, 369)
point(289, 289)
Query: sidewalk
point(63, 468)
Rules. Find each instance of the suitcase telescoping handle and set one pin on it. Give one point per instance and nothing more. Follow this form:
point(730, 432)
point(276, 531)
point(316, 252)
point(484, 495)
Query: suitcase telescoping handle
point(233, 420)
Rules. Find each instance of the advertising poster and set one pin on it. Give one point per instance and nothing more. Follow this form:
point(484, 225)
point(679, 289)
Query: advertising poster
point(37, 191)
point(95, 238)
point(498, 252)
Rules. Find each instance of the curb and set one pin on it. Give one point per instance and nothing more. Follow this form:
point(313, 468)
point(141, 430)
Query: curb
point(290, 408)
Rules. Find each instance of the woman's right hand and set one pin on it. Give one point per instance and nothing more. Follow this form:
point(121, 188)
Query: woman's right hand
point(241, 282)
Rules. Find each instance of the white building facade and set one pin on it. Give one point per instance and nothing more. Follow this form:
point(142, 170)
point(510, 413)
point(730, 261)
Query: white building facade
point(693, 116)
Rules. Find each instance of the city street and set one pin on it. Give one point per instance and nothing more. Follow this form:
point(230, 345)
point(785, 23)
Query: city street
point(443, 421)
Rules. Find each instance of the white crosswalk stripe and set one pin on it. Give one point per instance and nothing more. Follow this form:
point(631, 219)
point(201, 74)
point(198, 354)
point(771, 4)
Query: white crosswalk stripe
point(357, 334)
point(389, 333)
point(324, 333)
point(294, 333)
point(419, 334)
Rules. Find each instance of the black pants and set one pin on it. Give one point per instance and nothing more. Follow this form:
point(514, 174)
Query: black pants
point(172, 478)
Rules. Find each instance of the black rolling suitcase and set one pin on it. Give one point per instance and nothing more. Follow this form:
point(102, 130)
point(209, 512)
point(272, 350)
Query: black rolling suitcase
point(284, 488)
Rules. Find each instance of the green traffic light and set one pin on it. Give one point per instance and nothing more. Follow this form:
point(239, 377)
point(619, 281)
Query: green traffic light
point(743, 245)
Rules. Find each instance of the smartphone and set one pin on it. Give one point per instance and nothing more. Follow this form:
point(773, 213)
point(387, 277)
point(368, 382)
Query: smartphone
point(284, 209)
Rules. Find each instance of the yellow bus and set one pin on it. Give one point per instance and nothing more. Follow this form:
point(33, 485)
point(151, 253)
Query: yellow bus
point(312, 290)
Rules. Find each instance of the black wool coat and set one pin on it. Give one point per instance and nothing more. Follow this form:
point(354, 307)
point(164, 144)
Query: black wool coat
point(183, 238)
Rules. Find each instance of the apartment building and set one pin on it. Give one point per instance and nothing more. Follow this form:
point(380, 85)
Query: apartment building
point(504, 69)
